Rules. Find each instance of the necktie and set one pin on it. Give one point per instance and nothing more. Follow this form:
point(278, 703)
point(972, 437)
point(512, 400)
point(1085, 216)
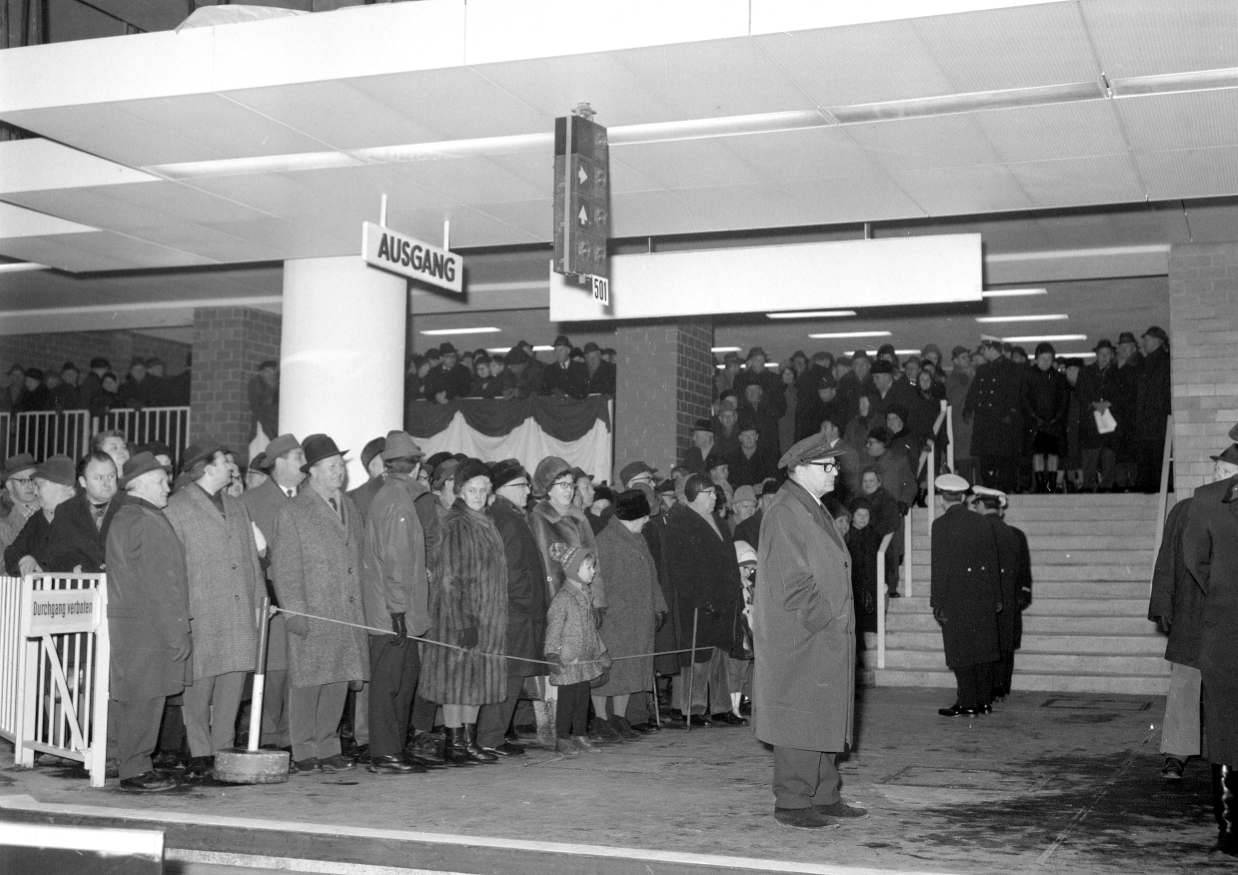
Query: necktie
point(98, 511)
point(334, 506)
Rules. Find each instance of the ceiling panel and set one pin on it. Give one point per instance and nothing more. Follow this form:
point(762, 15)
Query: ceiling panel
point(649, 213)
point(338, 113)
point(730, 207)
point(137, 253)
point(1150, 223)
point(924, 143)
point(1190, 173)
point(1060, 130)
point(1196, 120)
point(1079, 181)
point(534, 217)
point(1149, 38)
point(554, 86)
point(459, 103)
point(208, 243)
point(101, 129)
point(269, 193)
point(953, 190)
point(470, 180)
point(812, 153)
point(1018, 47)
point(95, 207)
point(713, 79)
point(182, 202)
point(690, 163)
point(61, 252)
point(846, 65)
point(624, 177)
point(469, 227)
point(858, 197)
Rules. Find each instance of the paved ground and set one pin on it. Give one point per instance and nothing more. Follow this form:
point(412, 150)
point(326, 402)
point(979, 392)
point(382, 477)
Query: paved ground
point(1048, 783)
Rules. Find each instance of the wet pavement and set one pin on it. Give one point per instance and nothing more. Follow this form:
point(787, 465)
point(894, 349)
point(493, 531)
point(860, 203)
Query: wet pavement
point(1048, 783)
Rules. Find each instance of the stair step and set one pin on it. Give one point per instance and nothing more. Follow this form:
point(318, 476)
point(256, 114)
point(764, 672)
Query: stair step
point(1093, 607)
point(1056, 589)
point(1034, 681)
point(921, 569)
point(1115, 645)
point(1074, 663)
point(1136, 557)
point(1046, 624)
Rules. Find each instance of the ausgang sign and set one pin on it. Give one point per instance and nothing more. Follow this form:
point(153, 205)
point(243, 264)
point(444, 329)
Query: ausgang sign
point(395, 252)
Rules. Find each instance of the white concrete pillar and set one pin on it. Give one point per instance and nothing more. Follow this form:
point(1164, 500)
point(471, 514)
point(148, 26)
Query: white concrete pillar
point(342, 353)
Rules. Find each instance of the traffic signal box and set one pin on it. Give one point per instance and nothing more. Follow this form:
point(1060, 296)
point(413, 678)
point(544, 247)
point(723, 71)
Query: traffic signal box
point(582, 197)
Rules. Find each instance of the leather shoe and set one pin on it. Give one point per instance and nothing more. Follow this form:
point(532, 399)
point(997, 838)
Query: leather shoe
point(842, 811)
point(507, 749)
point(199, 767)
point(647, 728)
point(361, 753)
point(168, 762)
point(425, 749)
point(728, 719)
point(1173, 769)
point(337, 763)
point(955, 711)
point(700, 720)
point(393, 764)
point(804, 818)
point(148, 782)
point(985, 709)
point(624, 728)
point(305, 766)
point(606, 731)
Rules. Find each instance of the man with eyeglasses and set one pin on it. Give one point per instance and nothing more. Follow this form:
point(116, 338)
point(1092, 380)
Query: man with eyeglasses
point(526, 602)
point(803, 629)
point(21, 497)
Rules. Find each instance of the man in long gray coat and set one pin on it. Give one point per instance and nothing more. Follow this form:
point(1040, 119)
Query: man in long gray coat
point(224, 579)
point(803, 634)
point(317, 564)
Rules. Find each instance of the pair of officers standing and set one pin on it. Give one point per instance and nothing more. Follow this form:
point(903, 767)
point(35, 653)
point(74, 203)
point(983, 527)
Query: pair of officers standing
point(981, 582)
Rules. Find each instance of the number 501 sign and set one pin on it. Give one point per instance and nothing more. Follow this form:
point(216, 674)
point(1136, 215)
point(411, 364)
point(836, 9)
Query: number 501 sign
point(601, 290)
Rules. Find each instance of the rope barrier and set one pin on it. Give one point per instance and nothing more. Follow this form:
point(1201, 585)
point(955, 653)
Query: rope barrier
point(378, 631)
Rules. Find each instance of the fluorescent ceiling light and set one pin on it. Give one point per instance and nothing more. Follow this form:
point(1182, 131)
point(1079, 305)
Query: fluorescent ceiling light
point(498, 350)
point(439, 332)
point(724, 349)
point(1175, 83)
point(852, 352)
point(1047, 338)
point(812, 314)
point(1013, 293)
point(842, 334)
point(1077, 355)
point(906, 352)
point(1046, 317)
point(543, 349)
point(21, 267)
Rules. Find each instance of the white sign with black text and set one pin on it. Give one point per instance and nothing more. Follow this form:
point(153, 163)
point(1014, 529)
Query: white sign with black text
point(398, 253)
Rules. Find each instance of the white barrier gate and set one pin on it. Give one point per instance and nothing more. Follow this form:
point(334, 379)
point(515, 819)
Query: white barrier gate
point(54, 663)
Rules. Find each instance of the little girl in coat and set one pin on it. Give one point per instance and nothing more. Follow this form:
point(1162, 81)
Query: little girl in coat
point(574, 648)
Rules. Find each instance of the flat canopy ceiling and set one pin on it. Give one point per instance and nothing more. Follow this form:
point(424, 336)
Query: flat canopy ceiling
point(274, 140)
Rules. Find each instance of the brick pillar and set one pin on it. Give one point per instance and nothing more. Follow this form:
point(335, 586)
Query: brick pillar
point(228, 345)
point(665, 383)
point(1203, 330)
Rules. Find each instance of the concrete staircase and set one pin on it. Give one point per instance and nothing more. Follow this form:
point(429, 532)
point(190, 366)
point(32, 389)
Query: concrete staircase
point(1086, 629)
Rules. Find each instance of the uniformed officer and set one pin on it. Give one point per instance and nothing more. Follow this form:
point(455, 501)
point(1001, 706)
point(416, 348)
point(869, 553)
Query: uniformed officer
point(994, 409)
point(966, 596)
point(1016, 578)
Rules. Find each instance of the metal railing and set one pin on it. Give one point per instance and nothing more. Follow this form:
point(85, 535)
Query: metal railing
point(882, 599)
point(47, 433)
point(6, 425)
point(1162, 498)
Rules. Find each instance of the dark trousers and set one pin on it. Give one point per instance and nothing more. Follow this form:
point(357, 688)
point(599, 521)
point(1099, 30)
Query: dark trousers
point(275, 709)
point(394, 671)
point(1148, 458)
point(1000, 472)
point(1003, 673)
point(572, 712)
point(137, 731)
point(314, 719)
point(493, 720)
point(804, 778)
point(975, 685)
point(638, 709)
point(423, 713)
point(1102, 461)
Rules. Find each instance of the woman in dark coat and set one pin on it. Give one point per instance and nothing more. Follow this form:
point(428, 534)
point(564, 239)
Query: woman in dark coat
point(635, 610)
point(468, 609)
point(1046, 399)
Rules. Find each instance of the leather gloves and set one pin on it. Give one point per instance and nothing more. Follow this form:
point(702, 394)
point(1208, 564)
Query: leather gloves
point(400, 628)
point(1025, 599)
point(939, 614)
point(1164, 624)
point(468, 638)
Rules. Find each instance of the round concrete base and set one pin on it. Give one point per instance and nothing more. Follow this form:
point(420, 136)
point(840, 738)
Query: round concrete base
point(235, 766)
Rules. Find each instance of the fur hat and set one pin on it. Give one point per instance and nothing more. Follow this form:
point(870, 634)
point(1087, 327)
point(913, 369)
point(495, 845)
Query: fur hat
point(468, 469)
point(504, 472)
point(632, 505)
point(548, 471)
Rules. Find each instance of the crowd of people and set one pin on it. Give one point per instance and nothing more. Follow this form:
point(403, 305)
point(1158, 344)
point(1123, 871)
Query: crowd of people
point(99, 390)
point(445, 374)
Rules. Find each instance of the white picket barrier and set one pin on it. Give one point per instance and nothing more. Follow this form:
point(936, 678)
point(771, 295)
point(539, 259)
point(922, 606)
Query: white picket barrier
point(55, 657)
point(6, 431)
point(48, 433)
point(169, 425)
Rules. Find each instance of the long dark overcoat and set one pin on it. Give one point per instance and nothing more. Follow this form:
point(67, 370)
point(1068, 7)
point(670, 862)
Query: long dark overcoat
point(701, 564)
point(803, 628)
point(527, 602)
point(635, 601)
point(666, 639)
point(1009, 619)
point(224, 578)
point(469, 592)
point(147, 604)
point(994, 406)
point(316, 566)
point(1210, 548)
point(1023, 578)
point(263, 502)
point(966, 585)
point(76, 540)
point(1174, 593)
point(572, 528)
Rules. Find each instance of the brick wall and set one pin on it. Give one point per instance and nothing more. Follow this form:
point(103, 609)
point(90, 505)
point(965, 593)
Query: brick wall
point(1203, 332)
point(51, 351)
point(228, 345)
point(665, 373)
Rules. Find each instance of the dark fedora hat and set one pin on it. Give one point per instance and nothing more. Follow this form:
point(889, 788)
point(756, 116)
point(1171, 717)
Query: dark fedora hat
point(136, 466)
point(1158, 332)
point(318, 447)
point(1230, 454)
point(203, 449)
point(1126, 337)
point(1104, 343)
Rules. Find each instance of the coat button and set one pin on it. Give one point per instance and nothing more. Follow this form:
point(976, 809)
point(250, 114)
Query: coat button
point(234, 567)
point(351, 599)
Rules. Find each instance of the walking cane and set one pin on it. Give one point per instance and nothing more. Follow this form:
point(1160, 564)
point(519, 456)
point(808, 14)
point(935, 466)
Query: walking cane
point(691, 674)
point(254, 766)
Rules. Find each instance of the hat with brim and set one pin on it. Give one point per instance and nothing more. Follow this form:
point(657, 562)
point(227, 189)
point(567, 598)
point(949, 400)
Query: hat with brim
point(882, 366)
point(1229, 455)
point(958, 351)
point(444, 471)
point(744, 493)
point(1157, 332)
point(194, 453)
point(400, 445)
point(715, 460)
point(318, 447)
point(634, 469)
point(562, 340)
point(756, 350)
point(142, 463)
point(811, 449)
point(990, 493)
point(24, 462)
point(1126, 337)
point(57, 469)
point(1103, 343)
point(951, 484)
point(280, 445)
point(702, 425)
point(591, 347)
